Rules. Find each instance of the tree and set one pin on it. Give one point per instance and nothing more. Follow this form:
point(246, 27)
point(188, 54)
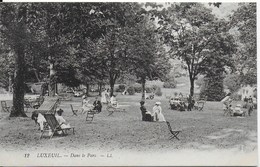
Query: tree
point(14, 33)
point(243, 20)
point(193, 34)
point(147, 60)
point(232, 81)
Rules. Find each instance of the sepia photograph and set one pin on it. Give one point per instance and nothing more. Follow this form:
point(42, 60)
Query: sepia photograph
point(128, 84)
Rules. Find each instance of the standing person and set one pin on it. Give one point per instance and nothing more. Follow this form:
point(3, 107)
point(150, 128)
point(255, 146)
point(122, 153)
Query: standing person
point(157, 113)
point(250, 105)
point(103, 96)
point(113, 101)
point(97, 105)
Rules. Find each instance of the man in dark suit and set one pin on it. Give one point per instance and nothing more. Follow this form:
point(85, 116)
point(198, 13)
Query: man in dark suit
point(97, 105)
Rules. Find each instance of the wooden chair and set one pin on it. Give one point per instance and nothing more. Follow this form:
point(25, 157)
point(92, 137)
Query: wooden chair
point(48, 106)
point(5, 107)
point(90, 115)
point(27, 104)
point(73, 110)
point(54, 126)
point(174, 133)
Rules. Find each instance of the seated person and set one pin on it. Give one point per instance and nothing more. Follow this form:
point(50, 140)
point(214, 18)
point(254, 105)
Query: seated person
point(39, 120)
point(146, 115)
point(113, 101)
point(237, 111)
point(62, 122)
point(181, 106)
point(97, 105)
point(85, 105)
point(157, 113)
point(174, 102)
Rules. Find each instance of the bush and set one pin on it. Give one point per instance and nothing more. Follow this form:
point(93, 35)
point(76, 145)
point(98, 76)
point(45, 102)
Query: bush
point(214, 90)
point(120, 88)
point(236, 96)
point(131, 90)
point(138, 88)
point(158, 91)
point(149, 89)
point(169, 84)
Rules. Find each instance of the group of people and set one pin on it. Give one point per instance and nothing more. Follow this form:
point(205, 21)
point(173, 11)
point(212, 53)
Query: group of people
point(178, 104)
point(237, 111)
point(154, 115)
point(86, 106)
point(41, 121)
point(105, 98)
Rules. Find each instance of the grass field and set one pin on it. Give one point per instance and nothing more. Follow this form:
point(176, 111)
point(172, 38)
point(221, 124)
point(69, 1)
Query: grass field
point(206, 130)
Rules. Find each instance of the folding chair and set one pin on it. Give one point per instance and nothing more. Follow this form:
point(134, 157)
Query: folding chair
point(174, 133)
point(54, 126)
point(73, 110)
point(48, 106)
point(90, 115)
point(5, 107)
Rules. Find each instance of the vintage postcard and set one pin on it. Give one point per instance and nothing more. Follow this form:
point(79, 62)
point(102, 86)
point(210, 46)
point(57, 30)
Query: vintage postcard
point(128, 84)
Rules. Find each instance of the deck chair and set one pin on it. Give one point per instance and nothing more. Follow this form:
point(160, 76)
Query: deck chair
point(73, 110)
point(5, 107)
point(48, 106)
point(174, 133)
point(54, 126)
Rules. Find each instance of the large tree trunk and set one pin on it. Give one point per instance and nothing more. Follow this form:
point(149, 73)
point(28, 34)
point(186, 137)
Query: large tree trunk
point(18, 40)
point(112, 81)
point(10, 83)
point(112, 84)
point(99, 88)
point(87, 89)
point(192, 86)
point(18, 86)
point(143, 88)
point(52, 80)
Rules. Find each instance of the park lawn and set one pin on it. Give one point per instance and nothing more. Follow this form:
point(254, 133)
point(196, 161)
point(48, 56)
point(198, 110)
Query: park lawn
point(201, 130)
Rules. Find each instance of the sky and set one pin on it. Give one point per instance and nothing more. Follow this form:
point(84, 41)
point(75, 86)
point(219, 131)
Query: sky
point(224, 9)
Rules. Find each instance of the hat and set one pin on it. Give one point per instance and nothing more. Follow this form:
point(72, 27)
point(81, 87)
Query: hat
point(238, 105)
point(158, 103)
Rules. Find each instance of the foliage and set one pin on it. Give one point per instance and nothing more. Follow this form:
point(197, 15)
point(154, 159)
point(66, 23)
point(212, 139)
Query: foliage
point(233, 82)
point(193, 35)
point(244, 21)
point(131, 90)
point(158, 91)
point(214, 90)
point(170, 82)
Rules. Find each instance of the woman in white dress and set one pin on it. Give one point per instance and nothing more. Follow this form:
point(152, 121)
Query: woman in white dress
point(157, 113)
point(104, 96)
point(62, 122)
point(86, 106)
